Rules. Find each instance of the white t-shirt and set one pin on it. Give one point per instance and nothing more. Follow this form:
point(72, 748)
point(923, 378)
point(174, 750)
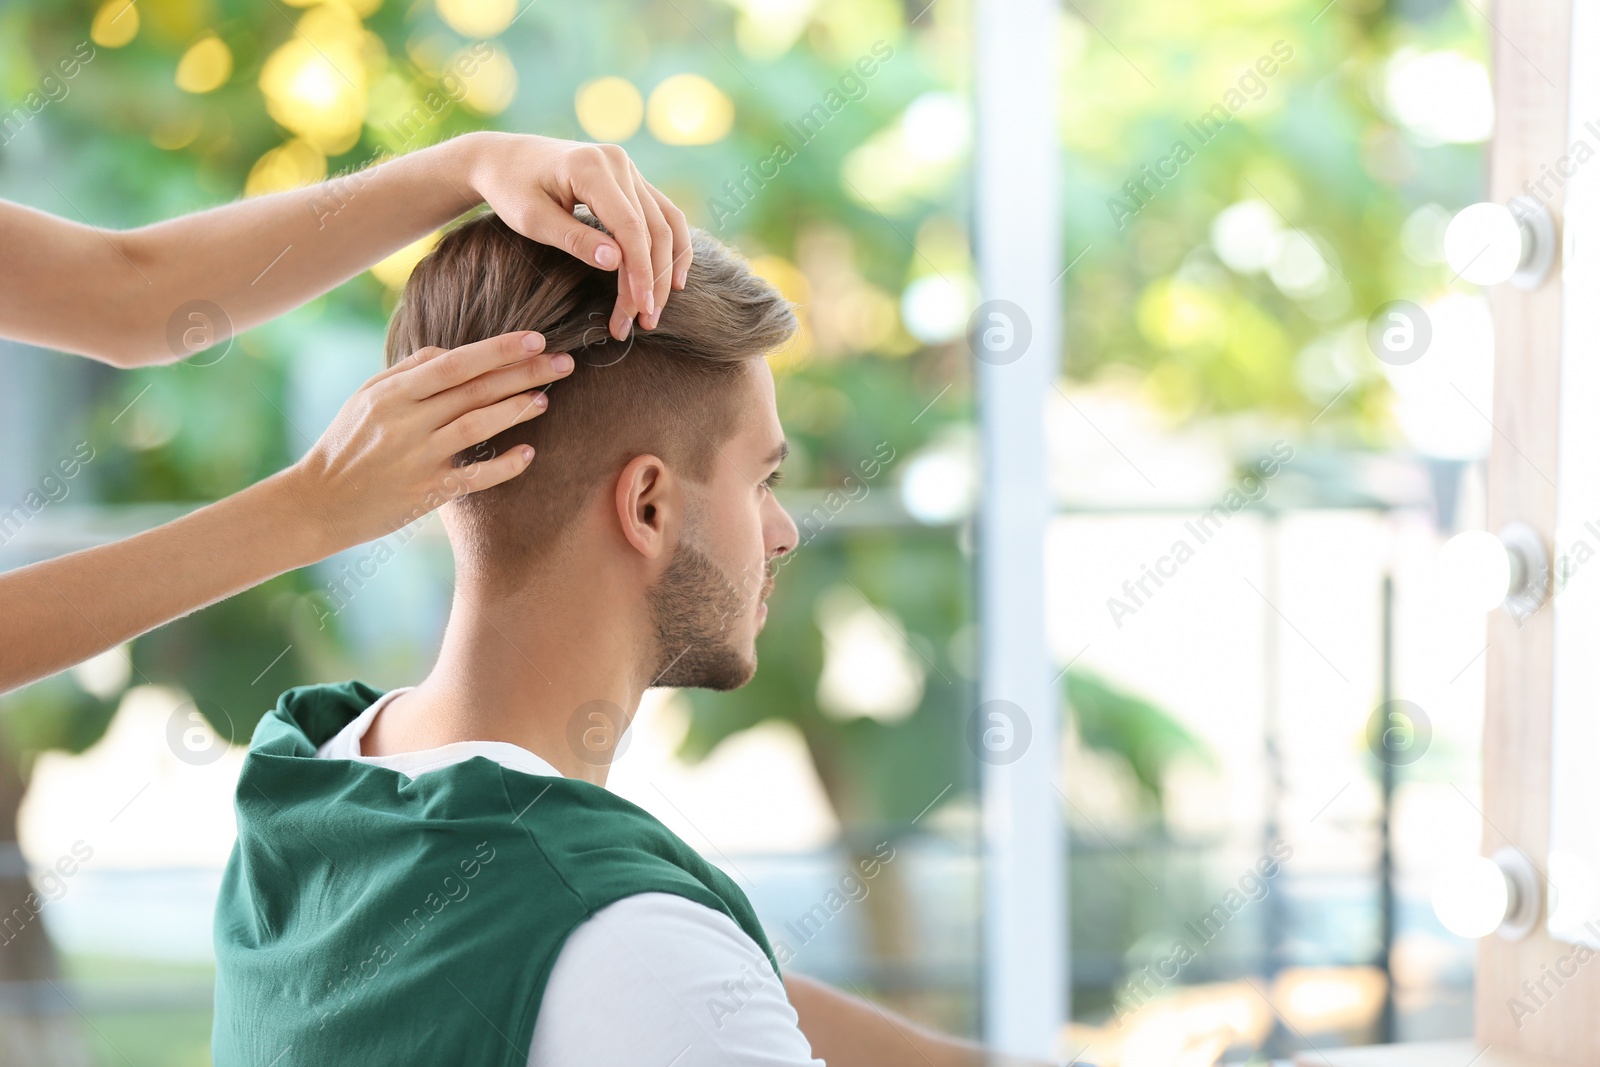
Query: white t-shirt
point(655, 979)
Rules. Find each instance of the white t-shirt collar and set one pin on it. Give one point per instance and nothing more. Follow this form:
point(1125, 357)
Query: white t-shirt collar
point(346, 744)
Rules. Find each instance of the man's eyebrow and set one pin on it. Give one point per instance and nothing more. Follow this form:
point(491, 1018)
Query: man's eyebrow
point(780, 453)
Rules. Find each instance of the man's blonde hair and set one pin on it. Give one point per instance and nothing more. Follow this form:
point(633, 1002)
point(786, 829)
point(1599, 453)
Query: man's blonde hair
point(671, 391)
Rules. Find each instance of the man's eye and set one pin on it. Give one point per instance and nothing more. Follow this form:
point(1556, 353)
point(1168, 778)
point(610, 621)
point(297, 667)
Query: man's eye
point(773, 479)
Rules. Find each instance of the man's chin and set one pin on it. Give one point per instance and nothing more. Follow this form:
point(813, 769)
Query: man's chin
point(722, 673)
point(736, 678)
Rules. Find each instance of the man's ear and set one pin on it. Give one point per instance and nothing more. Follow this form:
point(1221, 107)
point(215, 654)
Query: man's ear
point(649, 505)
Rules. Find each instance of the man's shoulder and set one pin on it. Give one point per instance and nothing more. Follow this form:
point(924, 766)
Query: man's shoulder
point(677, 982)
point(606, 842)
point(606, 849)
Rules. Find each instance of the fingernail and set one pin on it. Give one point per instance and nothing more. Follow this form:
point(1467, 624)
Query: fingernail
point(562, 362)
point(527, 453)
point(540, 400)
point(606, 257)
point(626, 328)
point(650, 303)
point(533, 342)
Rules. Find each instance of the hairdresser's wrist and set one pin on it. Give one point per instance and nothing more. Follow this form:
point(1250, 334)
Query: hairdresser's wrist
point(310, 518)
point(444, 175)
point(476, 154)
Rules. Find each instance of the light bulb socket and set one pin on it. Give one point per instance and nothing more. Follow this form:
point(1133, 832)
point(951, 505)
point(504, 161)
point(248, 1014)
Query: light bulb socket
point(1539, 241)
point(1523, 898)
point(1529, 586)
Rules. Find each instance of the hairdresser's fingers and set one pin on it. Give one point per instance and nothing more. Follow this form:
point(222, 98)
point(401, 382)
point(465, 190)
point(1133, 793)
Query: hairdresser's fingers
point(420, 356)
point(608, 191)
point(481, 424)
point(490, 472)
point(627, 307)
point(640, 271)
point(622, 315)
point(682, 239)
point(660, 257)
point(557, 227)
point(463, 364)
point(493, 386)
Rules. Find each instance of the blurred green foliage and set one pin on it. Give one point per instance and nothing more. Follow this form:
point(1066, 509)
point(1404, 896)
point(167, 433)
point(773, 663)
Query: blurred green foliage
point(845, 228)
point(1110, 720)
point(1315, 143)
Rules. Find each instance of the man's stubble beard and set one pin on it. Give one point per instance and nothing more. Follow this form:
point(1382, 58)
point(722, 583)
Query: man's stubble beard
point(694, 607)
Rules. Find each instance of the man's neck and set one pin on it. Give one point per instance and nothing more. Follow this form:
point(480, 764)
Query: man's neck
point(553, 678)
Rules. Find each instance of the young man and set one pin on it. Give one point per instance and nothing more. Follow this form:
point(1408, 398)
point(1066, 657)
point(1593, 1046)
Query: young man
point(438, 873)
point(173, 289)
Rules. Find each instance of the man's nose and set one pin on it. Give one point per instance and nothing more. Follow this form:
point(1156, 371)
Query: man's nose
point(783, 540)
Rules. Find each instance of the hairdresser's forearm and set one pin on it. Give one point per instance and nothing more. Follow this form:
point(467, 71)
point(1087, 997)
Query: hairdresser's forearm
point(62, 611)
point(846, 1031)
point(385, 460)
point(260, 257)
point(122, 296)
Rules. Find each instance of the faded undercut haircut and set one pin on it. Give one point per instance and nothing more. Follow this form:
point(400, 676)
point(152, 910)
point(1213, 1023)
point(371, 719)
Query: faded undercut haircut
point(672, 391)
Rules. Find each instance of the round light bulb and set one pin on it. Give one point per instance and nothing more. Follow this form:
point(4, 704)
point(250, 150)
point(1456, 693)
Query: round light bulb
point(1483, 243)
point(1472, 897)
point(1475, 567)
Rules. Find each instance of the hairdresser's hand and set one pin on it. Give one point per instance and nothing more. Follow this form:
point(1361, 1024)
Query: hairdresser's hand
point(533, 183)
point(386, 459)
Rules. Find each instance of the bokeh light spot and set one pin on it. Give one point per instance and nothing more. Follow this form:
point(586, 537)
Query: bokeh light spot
point(205, 66)
point(687, 109)
point(610, 109)
point(115, 24)
point(477, 18)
